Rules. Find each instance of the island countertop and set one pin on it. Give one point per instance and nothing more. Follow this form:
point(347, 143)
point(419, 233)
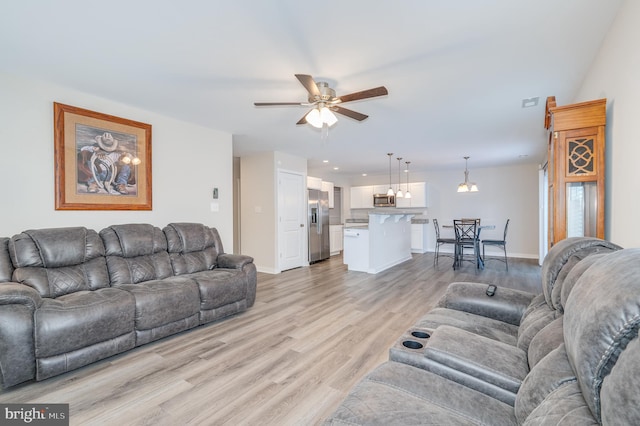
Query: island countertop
point(379, 243)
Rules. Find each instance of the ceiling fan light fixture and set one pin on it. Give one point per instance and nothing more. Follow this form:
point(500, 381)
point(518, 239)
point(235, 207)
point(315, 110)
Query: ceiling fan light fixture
point(320, 116)
point(313, 118)
point(328, 116)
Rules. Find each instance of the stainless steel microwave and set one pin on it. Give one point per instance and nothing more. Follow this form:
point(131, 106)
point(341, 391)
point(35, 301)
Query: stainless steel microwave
point(384, 200)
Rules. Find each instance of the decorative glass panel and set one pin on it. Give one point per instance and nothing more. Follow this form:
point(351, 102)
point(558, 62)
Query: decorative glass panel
point(581, 209)
point(581, 157)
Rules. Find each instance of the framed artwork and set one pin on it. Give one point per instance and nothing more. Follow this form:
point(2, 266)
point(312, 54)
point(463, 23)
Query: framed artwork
point(102, 162)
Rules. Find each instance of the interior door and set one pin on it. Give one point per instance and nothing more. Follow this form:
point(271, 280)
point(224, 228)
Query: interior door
point(292, 228)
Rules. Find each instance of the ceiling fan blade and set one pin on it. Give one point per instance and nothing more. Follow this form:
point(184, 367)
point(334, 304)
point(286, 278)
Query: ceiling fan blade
point(303, 120)
point(278, 103)
point(349, 113)
point(371, 93)
point(309, 84)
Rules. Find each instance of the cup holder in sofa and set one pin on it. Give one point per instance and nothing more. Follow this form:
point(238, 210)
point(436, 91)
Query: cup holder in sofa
point(420, 334)
point(412, 344)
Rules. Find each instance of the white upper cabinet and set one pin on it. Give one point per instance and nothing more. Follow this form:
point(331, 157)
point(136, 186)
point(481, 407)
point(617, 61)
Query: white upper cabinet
point(362, 197)
point(381, 189)
point(328, 186)
point(314, 183)
point(419, 196)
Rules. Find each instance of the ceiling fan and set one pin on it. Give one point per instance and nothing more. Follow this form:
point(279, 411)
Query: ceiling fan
point(323, 99)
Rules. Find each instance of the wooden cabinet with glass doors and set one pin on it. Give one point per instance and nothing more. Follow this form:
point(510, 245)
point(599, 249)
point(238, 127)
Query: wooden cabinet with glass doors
point(576, 165)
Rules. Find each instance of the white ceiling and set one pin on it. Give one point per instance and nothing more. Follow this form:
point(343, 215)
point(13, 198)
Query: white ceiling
point(457, 71)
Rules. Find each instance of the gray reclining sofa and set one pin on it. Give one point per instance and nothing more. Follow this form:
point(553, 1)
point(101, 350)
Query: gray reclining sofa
point(579, 367)
point(71, 296)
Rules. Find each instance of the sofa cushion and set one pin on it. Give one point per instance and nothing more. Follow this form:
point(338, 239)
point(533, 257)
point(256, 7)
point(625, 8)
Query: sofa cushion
point(547, 339)
point(563, 406)
point(550, 373)
point(398, 394)
point(620, 388)
point(478, 324)
point(80, 319)
point(136, 253)
point(477, 356)
point(535, 321)
point(59, 261)
point(193, 247)
point(575, 275)
point(220, 287)
point(563, 256)
point(158, 302)
point(601, 319)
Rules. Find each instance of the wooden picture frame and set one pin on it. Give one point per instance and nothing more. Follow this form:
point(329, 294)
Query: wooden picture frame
point(101, 162)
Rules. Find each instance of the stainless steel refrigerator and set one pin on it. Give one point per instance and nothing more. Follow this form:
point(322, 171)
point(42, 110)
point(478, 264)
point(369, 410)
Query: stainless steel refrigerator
point(318, 220)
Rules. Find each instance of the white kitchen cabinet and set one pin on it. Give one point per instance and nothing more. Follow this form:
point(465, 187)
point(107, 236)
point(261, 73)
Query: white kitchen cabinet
point(419, 196)
point(362, 197)
point(335, 239)
point(382, 189)
point(328, 186)
point(314, 183)
point(419, 241)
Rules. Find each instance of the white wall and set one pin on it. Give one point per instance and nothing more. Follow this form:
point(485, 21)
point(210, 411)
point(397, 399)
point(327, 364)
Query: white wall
point(614, 75)
point(504, 193)
point(259, 208)
point(188, 162)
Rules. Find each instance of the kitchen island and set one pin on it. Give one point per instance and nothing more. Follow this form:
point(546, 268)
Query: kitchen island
point(383, 242)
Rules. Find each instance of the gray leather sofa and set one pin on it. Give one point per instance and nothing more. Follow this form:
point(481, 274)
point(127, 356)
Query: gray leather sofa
point(71, 296)
point(579, 368)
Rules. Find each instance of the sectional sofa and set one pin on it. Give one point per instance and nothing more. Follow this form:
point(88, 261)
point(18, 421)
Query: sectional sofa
point(72, 296)
point(568, 356)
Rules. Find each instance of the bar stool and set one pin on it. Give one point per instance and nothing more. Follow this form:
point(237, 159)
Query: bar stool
point(440, 242)
point(498, 243)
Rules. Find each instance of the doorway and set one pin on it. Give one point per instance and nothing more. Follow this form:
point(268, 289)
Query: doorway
point(292, 228)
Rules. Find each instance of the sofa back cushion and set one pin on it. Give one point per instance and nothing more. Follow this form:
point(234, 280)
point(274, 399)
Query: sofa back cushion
point(601, 321)
point(562, 257)
point(59, 261)
point(6, 267)
point(193, 247)
point(552, 372)
point(136, 253)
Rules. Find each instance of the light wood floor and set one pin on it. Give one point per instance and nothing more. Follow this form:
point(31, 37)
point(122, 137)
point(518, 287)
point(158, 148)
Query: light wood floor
point(289, 360)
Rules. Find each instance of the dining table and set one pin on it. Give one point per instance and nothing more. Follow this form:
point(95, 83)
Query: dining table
point(479, 259)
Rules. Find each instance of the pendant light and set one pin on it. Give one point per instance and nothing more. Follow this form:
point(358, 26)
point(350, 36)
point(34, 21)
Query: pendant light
point(390, 191)
point(399, 193)
point(407, 194)
point(467, 186)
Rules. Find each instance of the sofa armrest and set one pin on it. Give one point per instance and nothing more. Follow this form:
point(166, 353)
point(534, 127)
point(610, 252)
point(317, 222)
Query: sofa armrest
point(19, 294)
point(505, 305)
point(18, 304)
point(233, 261)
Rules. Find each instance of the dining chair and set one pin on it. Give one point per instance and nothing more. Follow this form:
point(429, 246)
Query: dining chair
point(466, 238)
point(498, 243)
point(440, 242)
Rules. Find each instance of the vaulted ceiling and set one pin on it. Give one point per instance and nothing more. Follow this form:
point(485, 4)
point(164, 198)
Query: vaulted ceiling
point(456, 71)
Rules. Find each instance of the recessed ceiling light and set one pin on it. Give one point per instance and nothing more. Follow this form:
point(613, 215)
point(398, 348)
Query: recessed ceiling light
point(530, 102)
point(364, 174)
point(336, 168)
point(325, 161)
